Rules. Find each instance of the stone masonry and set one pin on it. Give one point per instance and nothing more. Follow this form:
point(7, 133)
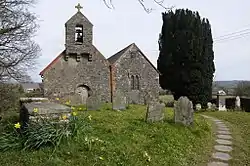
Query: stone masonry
point(81, 70)
point(133, 72)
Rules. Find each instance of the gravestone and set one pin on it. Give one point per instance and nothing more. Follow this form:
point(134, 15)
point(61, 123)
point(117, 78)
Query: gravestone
point(214, 107)
point(119, 101)
point(198, 107)
point(155, 112)
point(209, 105)
point(237, 103)
point(33, 109)
point(147, 98)
point(93, 103)
point(183, 111)
point(221, 100)
point(134, 97)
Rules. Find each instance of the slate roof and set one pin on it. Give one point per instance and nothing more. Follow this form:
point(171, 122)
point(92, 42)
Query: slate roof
point(119, 54)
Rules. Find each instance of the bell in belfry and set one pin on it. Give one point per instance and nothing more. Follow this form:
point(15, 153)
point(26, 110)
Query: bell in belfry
point(79, 37)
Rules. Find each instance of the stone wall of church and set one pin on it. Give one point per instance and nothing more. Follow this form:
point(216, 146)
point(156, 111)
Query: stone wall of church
point(133, 64)
point(64, 77)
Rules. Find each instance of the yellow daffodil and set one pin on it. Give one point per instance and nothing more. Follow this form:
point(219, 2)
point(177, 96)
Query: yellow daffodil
point(64, 117)
point(74, 113)
point(73, 108)
point(17, 125)
point(35, 110)
point(80, 109)
point(90, 117)
point(57, 99)
point(101, 158)
point(67, 102)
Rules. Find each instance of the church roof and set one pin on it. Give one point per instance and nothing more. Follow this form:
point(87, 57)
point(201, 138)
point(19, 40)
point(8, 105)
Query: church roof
point(119, 54)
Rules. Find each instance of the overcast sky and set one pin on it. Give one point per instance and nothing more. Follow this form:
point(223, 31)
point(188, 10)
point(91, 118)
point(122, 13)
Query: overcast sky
point(128, 23)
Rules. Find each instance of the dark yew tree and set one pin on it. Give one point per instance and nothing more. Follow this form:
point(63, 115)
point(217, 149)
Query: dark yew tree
point(186, 59)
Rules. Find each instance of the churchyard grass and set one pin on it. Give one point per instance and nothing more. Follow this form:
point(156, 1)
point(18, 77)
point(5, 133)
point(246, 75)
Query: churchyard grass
point(124, 138)
point(239, 124)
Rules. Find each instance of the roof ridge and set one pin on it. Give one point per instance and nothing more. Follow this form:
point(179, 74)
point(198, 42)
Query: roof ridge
point(117, 55)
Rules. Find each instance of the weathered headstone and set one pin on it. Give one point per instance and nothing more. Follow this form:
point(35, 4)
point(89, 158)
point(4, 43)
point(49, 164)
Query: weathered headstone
point(147, 98)
point(237, 103)
point(221, 99)
point(119, 101)
point(214, 107)
point(134, 97)
point(209, 105)
point(183, 111)
point(33, 109)
point(155, 112)
point(198, 107)
point(93, 103)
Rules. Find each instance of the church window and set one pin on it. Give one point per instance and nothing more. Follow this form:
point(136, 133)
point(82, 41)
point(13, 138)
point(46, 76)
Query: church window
point(132, 82)
point(66, 57)
point(137, 82)
point(132, 54)
point(78, 58)
point(90, 57)
point(79, 34)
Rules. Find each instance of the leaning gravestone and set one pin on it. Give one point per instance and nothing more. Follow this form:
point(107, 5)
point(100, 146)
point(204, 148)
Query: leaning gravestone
point(93, 103)
point(119, 101)
point(33, 109)
point(155, 112)
point(183, 111)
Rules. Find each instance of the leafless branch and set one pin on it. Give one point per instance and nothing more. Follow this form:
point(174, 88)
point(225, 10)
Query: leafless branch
point(18, 52)
point(109, 4)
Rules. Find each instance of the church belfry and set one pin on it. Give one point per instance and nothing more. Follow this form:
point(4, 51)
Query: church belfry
point(78, 34)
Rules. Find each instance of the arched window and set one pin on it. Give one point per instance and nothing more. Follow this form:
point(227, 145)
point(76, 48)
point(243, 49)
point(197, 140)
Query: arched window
point(137, 82)
point(132, 82)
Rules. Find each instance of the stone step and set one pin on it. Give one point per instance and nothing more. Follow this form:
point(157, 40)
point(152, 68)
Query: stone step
point(221, 136)
point(221, 156)
point(216, 163)
point(223, 148)
point(223, 132)
point(223, 142)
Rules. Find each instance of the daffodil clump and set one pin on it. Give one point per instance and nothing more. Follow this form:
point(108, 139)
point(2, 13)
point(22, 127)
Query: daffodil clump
point(44, 132)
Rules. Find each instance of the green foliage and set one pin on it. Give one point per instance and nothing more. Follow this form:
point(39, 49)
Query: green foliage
point(42, 133)
point(9, 97)
point(186, 56)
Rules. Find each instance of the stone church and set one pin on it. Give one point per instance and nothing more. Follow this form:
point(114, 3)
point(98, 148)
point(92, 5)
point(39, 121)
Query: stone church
point(81, 70)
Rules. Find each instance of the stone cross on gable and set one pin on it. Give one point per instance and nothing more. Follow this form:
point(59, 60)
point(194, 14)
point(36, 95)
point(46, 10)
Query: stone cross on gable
point(78, 7)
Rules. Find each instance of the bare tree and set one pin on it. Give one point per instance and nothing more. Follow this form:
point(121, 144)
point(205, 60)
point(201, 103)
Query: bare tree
point(18, 52)
point(242, 89)
point(109, 4)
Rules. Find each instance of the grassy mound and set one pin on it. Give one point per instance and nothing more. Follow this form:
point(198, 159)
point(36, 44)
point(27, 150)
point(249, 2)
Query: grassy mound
point(123, 138)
